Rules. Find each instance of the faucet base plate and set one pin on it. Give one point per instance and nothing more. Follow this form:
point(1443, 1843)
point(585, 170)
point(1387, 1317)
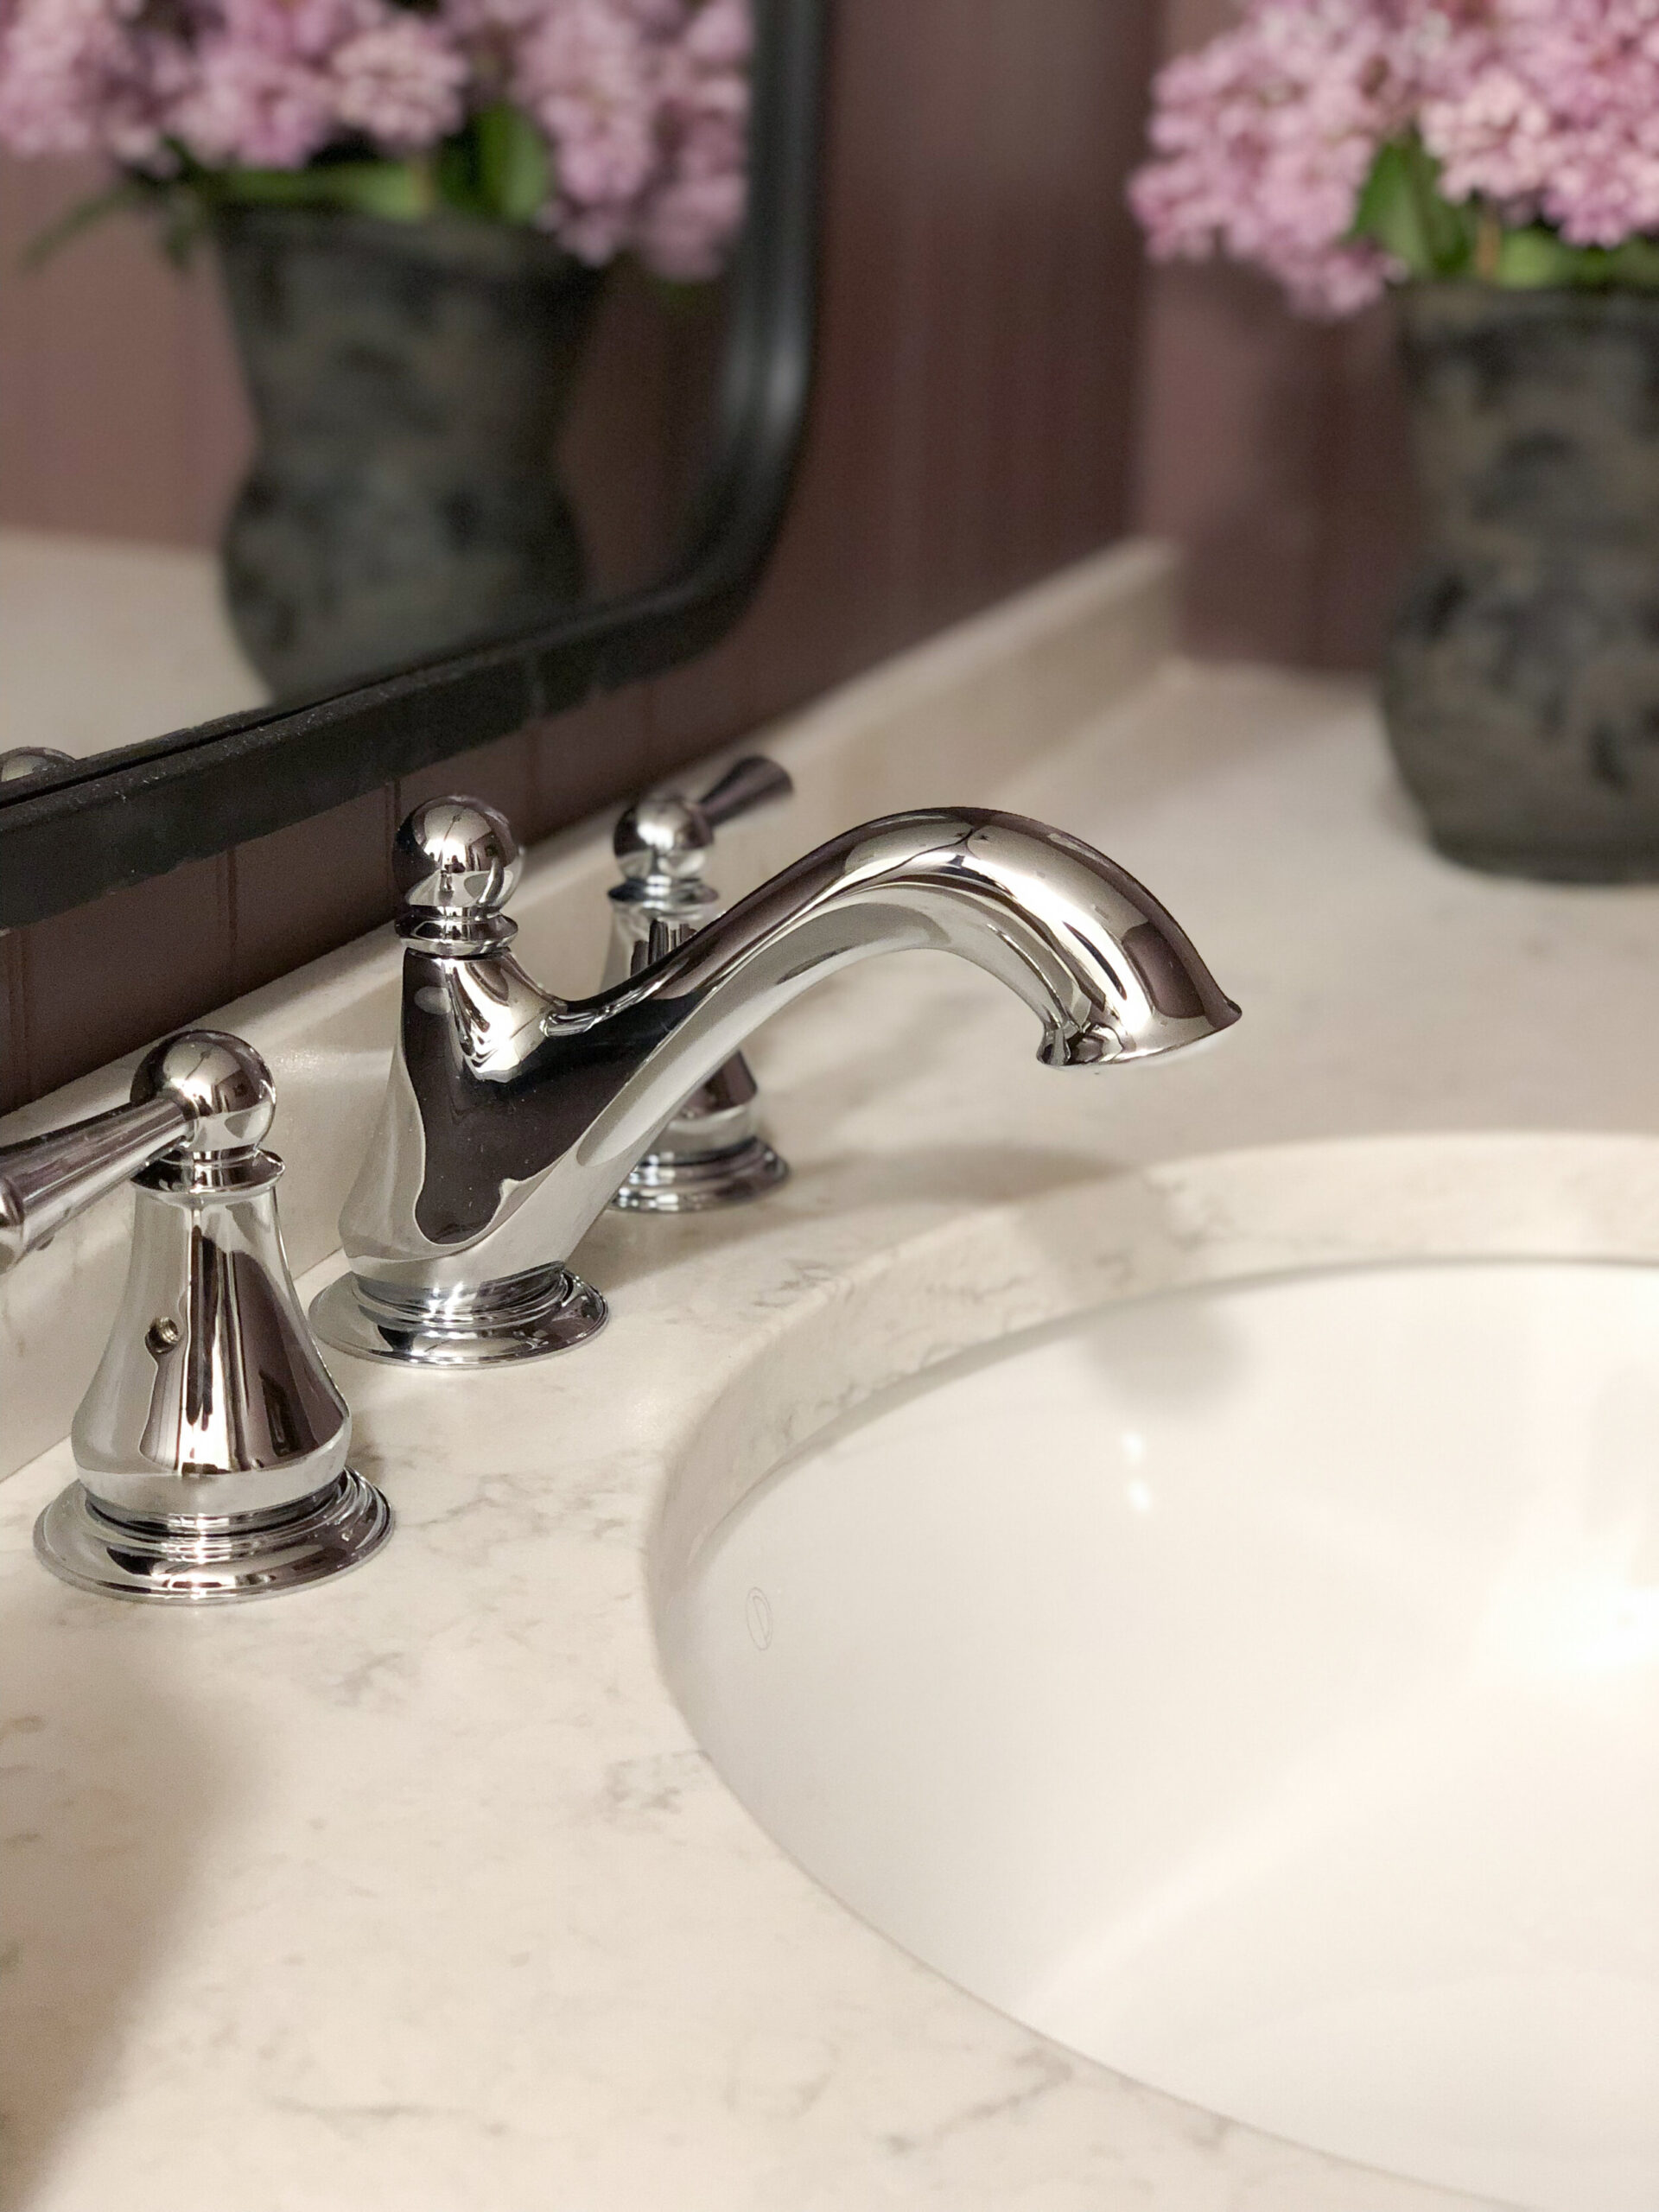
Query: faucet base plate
point(528, 1317)
point(211, 1559)
point(669, 1183)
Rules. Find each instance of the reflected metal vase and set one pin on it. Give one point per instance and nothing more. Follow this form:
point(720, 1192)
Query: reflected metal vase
point(1520, 686)
point(408, 381)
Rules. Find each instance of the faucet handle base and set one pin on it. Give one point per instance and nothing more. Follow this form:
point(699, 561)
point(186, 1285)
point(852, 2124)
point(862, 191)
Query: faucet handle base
point(211, 1559)
point(520, 1317)
point(710, 1154)
point(697, 1183)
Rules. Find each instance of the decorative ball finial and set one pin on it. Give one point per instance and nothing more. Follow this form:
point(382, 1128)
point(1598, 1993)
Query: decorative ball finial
point(219, 1079)
point(455, 856)
point(663, 834)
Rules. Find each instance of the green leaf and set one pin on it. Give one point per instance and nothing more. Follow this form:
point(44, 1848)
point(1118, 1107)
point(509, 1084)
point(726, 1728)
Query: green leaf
point(1386, 213)
point(1402, 210)
point(513, 162)
point(1534, 259)
point(496, 167)
point(1635, 263)
point(398, 191)
point(1537, 258)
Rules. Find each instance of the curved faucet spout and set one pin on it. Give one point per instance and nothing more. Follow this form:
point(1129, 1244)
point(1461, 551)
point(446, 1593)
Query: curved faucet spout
point(511, 1117)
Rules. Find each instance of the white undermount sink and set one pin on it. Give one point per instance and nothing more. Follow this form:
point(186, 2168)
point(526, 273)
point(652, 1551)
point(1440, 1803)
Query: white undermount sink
point(1257, 1688)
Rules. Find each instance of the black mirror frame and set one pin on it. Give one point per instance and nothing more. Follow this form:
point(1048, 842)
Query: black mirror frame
point(72, 834)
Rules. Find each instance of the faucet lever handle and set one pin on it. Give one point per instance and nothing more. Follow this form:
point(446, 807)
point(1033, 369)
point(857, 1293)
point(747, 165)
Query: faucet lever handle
point(746, 787)
point(711, 1154)
point(45, 1181)
point(211, 1445)
point(200, 1090)
point(664, 838)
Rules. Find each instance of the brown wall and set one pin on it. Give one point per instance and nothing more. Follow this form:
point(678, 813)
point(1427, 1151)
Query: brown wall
point(120, 412)
point(971, 431)
point(1274, 451)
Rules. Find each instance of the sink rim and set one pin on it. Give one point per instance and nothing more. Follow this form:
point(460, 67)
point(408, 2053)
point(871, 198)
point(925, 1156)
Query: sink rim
point(1260, 1212)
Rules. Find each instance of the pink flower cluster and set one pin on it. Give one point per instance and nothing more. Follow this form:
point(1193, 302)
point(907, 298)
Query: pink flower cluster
point(1543, 110)
point(1551, 108)
point(647, 102)
point(643, 102)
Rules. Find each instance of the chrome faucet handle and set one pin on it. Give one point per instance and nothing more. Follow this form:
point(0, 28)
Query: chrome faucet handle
point(711, 1154)
point(211, 1445)
point(45, 1181)
point(663, 839)
point(746, 785)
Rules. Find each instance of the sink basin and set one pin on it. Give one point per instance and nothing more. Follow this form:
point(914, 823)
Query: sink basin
point(1256, 1688)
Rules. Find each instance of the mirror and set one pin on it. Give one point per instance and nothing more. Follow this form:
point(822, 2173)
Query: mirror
point(452, 450)
point(429, 434)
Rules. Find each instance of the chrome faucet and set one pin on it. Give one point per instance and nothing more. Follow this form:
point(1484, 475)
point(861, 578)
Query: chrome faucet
point(511, 1117)
point(712, 1153)
point(211, 1446)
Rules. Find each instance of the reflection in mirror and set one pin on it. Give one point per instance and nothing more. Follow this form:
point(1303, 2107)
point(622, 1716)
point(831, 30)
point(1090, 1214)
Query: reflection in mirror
point(335, 338)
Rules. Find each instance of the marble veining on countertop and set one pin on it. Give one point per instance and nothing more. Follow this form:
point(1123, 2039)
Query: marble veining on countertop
point(414, 1892)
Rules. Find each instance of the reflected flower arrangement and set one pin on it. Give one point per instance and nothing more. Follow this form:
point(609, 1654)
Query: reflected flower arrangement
point(616, 125)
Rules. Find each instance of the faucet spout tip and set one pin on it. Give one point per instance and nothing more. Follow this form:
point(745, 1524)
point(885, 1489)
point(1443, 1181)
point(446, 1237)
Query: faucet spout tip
point(1096, 1044)
point(1091, 1047)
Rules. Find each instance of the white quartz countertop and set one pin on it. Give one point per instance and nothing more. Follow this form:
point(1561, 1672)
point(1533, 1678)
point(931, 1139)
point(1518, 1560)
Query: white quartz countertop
point(415, 1892)
point(105, 643)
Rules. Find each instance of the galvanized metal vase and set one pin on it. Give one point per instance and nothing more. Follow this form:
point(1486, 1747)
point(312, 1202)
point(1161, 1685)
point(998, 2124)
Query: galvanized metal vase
point(1521, 683)
point(408, 380)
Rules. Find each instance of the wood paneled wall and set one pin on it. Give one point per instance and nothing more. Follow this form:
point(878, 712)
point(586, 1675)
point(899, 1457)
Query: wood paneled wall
point(1274, 451)
point(121, 413)
point(971, 431)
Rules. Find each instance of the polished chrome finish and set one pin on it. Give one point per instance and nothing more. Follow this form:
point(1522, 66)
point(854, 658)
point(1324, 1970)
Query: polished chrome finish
point(21, 761)
point(663, 1183)
point(211, 1445)
point(206, 1560)
point(711, 1154)
point(547, 1309)
point(454, 862)
point(510, 1116)
point(221, 1082)
point(666, 836)
point(209, 1399)
point(204, 1091)
point(45, 1181)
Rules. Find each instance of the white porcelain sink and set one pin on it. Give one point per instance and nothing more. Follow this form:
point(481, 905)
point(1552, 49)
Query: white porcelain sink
point(1257, 1689)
